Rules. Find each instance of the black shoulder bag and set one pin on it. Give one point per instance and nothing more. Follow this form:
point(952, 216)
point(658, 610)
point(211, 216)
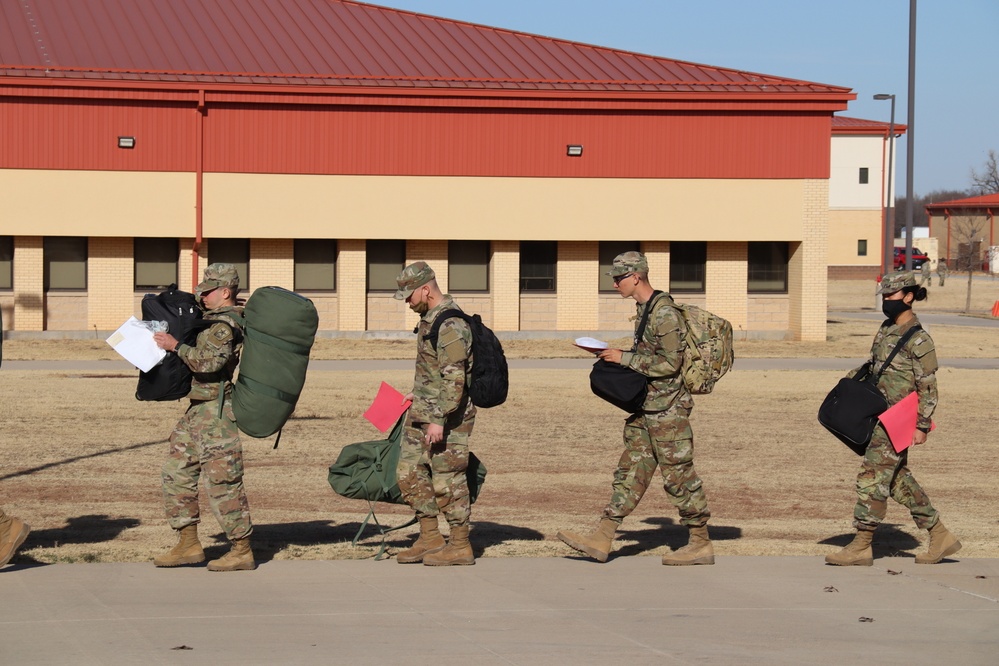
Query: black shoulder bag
point(851, 410)
point(619, 385)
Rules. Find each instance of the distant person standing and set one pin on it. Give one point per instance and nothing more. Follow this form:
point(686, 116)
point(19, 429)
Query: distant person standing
point(434, 456)
point(206, 438)
point(659, 435)
point(942, 270)
point(925, 276)
point(885, 473)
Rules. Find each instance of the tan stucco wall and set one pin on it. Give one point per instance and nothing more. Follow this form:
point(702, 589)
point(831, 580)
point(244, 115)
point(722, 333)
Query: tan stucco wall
point(846, 227)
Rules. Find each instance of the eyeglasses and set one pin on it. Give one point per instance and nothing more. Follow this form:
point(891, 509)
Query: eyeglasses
point(617, 278)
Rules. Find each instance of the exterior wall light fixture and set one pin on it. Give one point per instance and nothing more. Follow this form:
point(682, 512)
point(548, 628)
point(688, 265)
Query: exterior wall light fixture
point(574, 150)
point(126, 142)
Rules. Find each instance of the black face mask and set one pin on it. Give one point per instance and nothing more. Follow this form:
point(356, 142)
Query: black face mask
point(893, 309)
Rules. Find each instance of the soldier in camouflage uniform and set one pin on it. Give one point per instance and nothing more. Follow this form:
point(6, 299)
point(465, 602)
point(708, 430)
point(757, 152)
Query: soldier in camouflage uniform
point(434, 454)
point(206, 438)
point(885, 472)
point(659, 435)
point(942, 270)
point(924, 275)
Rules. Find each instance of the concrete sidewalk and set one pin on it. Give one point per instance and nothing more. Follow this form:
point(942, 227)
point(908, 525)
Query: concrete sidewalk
point(632, 610)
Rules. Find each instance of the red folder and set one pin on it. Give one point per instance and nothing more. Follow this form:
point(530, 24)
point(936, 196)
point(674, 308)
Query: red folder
point(899, 422)
point(386, 408)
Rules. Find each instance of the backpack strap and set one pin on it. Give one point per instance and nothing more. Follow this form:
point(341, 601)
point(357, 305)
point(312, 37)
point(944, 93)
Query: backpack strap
point(441, 318)
point(649, 307)
point(898, 347)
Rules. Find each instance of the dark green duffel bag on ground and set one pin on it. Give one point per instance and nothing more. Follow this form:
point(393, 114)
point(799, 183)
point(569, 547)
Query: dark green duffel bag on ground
point(278, 335)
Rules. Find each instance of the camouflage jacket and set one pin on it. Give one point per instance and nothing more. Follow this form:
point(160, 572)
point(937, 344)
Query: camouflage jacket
point(439, 388)
point(913, 368)
point(216, 355)
point(659, 356)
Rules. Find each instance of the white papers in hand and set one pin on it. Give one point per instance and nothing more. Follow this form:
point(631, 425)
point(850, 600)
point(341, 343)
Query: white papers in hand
point(134, 341)
point(591, 344)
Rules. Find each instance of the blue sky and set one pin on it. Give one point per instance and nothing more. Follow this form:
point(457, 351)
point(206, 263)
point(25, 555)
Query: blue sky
point(860, 44)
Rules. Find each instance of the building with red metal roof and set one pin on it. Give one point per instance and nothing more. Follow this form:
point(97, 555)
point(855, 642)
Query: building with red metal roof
point(965, 230)
point(322, 144)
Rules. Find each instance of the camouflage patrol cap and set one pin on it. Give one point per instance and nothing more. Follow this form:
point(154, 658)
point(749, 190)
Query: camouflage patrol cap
point(629, 262)
point(218, 275)
point(897, 281)
point(412, 277)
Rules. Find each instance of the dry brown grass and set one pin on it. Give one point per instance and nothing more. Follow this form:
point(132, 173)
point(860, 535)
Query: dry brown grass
point(80, 461)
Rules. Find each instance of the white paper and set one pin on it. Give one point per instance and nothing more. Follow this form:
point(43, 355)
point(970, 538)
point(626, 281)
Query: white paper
point(134, 341)
point(591, 344)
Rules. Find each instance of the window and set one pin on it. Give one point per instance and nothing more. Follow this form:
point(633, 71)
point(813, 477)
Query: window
point(537, 265)
point(862, 248)
point(385, 262)
point(609, 250)
point(65, 260)
point(687, 260)
point(235, 251)
point(864, 175)
point(6, 262)
point(767, 268)
point(155, 262)
point(315, 264)
point(468, 265)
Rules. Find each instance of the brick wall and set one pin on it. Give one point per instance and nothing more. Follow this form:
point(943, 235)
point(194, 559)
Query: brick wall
point(385, 313)
point(538, 312)
point(807, 272)
point(29, 298)
point(577, 274)
point(272, 264)
point(726, 281)
point(768, 312)
point(351, 281)
point(504, 280)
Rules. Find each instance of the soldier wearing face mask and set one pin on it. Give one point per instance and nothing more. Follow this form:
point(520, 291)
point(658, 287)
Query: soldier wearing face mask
point(885, 472)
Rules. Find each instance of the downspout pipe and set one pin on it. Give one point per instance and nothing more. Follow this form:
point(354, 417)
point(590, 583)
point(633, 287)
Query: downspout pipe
point(199, 190)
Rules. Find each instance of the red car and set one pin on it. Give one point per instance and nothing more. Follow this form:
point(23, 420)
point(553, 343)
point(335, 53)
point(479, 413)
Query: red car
point(918, 258)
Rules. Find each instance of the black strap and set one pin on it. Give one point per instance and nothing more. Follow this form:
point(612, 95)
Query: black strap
point(441, 318)
point(898, 346)
point(645, 318)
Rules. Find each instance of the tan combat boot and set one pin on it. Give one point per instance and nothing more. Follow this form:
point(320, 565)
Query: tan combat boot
point(457, 551)
point(239, 558)
point(429, 541)
point(187, 551)
point(13, 532)
point(942, 544)
point(597, 545)
point(856, 553)
point(697, 551)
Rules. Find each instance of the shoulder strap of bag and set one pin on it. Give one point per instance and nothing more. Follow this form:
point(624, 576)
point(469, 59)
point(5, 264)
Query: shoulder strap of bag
point(441, 318)
point(645, 318)
point(898, 346)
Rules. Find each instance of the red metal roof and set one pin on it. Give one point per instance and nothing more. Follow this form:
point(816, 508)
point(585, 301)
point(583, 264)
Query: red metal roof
point(334, 43)
point(984, 201)
point(847, 126)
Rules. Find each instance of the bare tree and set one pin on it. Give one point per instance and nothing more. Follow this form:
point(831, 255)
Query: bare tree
point(968, 231)
point(987, 182)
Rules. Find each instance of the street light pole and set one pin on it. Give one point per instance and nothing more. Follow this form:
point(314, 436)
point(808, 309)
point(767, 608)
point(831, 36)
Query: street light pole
point(888, 255)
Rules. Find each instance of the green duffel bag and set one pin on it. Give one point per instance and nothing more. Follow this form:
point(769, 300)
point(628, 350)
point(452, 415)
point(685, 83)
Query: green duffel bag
point(279, 330)
point(366, 470)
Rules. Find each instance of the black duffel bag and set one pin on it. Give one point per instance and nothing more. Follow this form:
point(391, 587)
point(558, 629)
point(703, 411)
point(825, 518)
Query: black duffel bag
point(619, 385)
point(851, 410)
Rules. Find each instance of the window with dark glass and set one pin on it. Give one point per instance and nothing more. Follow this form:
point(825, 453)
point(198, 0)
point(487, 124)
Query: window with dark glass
point(608, 250)
point(315, 264)
point(235, 251)
point(864, 175)
point(538, 260)
point(155, 262)
point(6, 262)
point(687, 262)
point(862, 248)
point(385, 261)
point(65, 263)
point(767, 267)
point(468, 265)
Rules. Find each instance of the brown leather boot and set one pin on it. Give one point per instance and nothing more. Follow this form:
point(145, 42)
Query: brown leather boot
point(457, 551)
point(239, 558)
point(697, 551)
point(857, 553)
point(598, 544)
point(942, 544)
point(429, 541)
point(187, 551)
point(13, 532)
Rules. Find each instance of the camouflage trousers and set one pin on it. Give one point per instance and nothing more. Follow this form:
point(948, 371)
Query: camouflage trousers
point(885, 473)
point(203, 442)
point(432, 477)
point(662, 439)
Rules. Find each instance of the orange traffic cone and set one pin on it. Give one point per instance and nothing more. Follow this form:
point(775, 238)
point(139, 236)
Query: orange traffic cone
point(995, 309)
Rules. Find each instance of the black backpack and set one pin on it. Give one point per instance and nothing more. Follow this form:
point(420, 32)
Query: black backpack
point(171, 379)
point(490, 375)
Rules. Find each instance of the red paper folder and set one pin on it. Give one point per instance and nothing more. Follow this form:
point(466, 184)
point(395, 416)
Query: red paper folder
point(899, 422)
point(386, 408)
